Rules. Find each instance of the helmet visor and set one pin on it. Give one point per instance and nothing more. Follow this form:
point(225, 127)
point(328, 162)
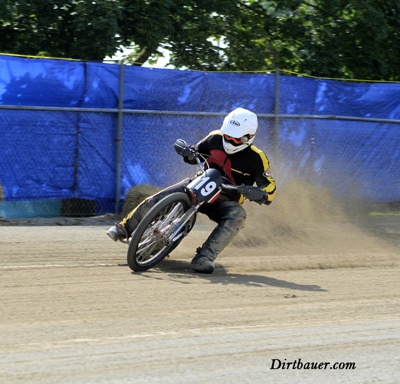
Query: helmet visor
point(237, 141)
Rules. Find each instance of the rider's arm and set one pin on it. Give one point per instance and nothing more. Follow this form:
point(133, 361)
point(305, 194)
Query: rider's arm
point(202, 147)
point(263, 177)
point(269, 187)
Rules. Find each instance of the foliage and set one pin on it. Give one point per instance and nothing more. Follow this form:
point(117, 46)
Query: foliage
point(78, 29)
point(331, 38)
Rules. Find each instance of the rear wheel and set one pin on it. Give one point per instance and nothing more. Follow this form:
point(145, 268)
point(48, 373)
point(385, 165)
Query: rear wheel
point(151, 241)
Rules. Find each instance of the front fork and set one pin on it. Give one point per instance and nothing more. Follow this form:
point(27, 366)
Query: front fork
point(174, 232)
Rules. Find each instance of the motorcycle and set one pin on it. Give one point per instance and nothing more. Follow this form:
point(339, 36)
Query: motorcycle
point(169, 221)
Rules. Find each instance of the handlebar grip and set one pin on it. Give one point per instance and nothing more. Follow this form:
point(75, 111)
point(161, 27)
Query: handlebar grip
point(181, 147)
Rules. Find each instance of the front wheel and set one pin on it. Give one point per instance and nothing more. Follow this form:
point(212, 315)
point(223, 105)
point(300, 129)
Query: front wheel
point(151, 241)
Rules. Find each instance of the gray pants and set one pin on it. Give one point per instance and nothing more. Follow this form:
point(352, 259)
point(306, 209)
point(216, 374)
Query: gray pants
point(229, 215)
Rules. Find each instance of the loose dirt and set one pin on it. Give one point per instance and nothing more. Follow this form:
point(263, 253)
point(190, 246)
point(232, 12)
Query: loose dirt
point(310, 279)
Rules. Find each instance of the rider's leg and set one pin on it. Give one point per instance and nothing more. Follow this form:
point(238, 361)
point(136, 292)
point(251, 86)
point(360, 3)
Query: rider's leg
point(123, 230)
point(231, 218)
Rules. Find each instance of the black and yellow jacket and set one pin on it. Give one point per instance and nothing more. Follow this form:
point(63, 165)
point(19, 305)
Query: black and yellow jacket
point(248, 166)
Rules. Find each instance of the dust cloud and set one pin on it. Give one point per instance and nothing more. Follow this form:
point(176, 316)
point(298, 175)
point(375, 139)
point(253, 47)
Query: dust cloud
point(306, 227)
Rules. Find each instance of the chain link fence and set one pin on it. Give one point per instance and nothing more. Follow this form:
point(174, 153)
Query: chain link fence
point(110, 150)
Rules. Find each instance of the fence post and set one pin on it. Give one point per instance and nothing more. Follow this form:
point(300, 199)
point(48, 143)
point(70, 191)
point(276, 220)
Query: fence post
point(119, 137)
point(275, 136)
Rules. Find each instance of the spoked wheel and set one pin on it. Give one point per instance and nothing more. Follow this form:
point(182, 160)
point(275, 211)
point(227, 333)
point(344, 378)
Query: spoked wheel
point(152, 240)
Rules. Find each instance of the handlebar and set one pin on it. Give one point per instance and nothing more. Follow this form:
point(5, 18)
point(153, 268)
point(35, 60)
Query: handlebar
point(183, 149)
point(197, 157)
point(250, 192)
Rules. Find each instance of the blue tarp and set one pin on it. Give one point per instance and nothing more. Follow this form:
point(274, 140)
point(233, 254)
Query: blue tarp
point(70, 154)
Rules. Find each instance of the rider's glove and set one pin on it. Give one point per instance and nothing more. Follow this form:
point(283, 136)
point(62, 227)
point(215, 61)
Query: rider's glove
point(253, 193)
point(183, 149)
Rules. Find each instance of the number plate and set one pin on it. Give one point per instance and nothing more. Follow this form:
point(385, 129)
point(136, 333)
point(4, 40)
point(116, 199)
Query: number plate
point(207, 186)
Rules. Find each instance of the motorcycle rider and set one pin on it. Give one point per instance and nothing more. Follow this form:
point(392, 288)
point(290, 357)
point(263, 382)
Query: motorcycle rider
point(231, 151)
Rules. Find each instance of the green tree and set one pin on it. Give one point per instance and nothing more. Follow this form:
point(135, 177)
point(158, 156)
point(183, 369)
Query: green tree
point(352, 38)
point(331, 38)
point(77, 29)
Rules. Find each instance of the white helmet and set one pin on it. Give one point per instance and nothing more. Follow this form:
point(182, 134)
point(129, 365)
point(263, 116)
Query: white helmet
point(238, 130)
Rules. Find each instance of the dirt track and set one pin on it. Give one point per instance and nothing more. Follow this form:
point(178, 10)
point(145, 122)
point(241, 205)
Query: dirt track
point(306, 285)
